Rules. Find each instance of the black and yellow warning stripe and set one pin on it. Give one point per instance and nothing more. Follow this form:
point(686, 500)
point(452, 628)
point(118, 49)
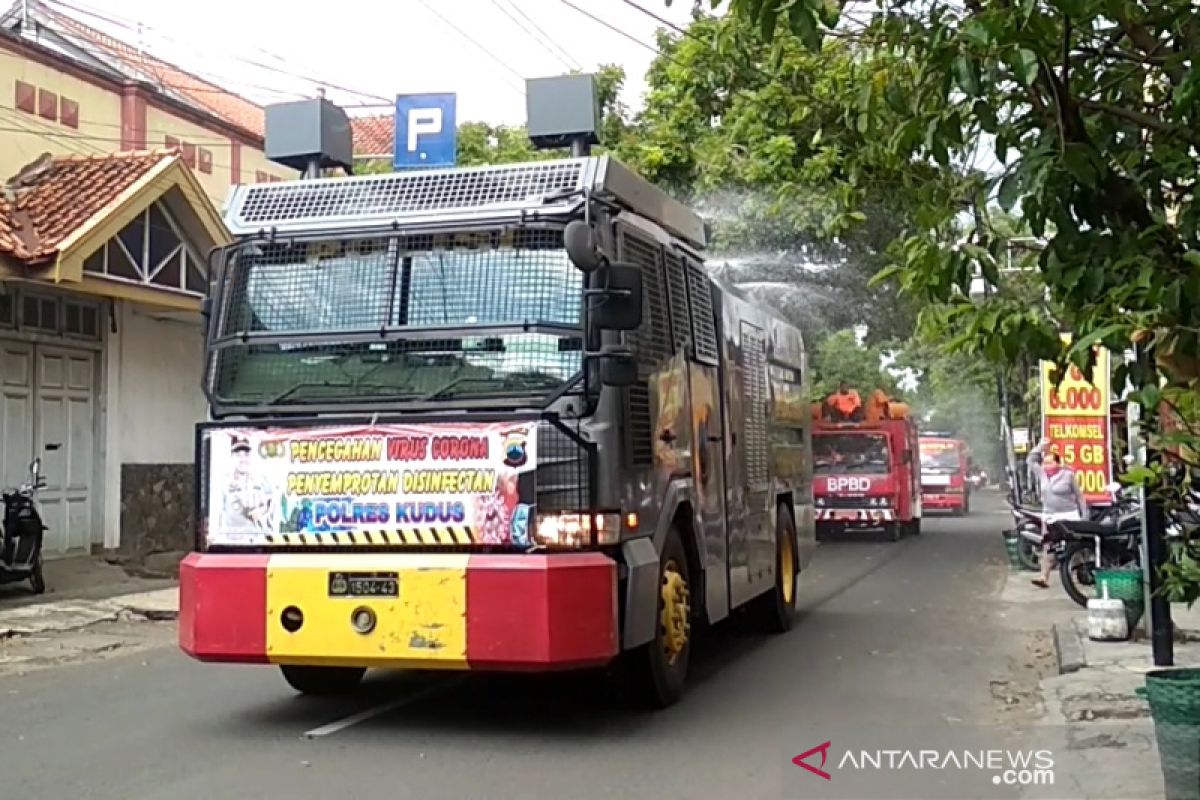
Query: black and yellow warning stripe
point(425, 536)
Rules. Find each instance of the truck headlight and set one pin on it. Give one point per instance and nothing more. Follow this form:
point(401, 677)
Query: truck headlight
point(575, 530)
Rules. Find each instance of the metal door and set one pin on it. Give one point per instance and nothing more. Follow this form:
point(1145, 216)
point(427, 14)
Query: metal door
point(65, 381)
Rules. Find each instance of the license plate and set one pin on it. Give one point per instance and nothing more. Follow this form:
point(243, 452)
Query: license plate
point(364, 584)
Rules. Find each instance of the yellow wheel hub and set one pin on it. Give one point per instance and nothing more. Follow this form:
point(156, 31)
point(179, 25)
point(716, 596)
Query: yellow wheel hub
point(676, 612)
point(787, 568)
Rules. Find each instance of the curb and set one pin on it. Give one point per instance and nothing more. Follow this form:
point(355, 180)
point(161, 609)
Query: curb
point(1068, 648)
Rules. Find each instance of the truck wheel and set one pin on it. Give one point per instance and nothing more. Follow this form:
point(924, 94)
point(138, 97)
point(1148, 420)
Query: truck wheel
point(914, 527)
point(323, 680)
point(775, 610)
point(656, 672)
point(892, 531)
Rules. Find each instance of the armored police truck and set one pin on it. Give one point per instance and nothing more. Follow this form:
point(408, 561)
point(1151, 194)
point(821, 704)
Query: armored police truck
point(487, 418)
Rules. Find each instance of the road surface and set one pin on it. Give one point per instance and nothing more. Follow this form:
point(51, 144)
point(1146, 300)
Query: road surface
point(888, 633)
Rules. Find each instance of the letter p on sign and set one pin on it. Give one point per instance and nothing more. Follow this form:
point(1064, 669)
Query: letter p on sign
point(426, 134)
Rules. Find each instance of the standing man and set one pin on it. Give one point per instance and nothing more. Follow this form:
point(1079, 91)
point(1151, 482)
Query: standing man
point(249, 497)
point(1062, 499)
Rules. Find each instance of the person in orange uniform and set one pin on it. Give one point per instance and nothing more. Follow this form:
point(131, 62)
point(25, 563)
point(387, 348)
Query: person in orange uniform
point(844, 404)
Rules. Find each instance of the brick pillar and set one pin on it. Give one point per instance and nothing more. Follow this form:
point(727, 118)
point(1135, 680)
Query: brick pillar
point(133, 117)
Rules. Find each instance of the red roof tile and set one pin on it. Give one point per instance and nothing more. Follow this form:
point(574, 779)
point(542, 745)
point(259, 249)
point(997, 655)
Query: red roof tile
point(207, 96)
point(374, 136)
point(51, 198)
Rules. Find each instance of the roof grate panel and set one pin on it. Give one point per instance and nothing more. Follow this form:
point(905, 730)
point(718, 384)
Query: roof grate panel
point(294, 204)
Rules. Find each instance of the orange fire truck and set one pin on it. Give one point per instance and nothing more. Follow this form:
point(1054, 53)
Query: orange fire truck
point(865, 465)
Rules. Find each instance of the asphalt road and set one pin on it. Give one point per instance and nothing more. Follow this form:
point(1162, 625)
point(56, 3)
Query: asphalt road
point(890, 634)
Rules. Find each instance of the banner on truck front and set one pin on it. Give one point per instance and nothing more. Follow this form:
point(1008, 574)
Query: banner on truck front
point(1075, 420)
point(405, 484)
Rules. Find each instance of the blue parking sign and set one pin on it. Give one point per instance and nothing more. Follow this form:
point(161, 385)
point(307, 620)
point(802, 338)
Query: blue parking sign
point(426, 134)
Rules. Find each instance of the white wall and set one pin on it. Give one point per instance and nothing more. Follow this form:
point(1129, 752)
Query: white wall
point(160, 397)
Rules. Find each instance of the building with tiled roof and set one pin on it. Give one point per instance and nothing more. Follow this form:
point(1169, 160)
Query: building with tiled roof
point(103, 265)
point(70, 89)
point(119, 162)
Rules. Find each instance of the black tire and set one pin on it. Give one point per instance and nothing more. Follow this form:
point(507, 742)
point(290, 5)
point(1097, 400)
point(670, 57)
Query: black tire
point(323, 680)
point(775, 611)
point(892, 531)
point(1028, 554)
point(914, 527)
point(655, 679)
point(1077, 566)
point(37, 580)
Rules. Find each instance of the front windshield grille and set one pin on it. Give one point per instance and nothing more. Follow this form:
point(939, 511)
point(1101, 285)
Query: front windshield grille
point(493, 314)
point(850, 454)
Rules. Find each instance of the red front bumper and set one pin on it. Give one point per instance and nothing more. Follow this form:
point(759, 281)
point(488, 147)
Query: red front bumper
point(503, 612)
point(943, 502)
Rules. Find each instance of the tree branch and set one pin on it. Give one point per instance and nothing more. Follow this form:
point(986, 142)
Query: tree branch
point(1138, 118)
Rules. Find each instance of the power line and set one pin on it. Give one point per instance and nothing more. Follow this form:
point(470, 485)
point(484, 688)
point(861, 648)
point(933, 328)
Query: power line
point(611, 27)
point(547, 36)
point(532, 35)
point(128, 25)
point(478, 46)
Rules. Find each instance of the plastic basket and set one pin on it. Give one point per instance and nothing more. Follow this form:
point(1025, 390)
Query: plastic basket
point(1124, 584)
point(1174, 697)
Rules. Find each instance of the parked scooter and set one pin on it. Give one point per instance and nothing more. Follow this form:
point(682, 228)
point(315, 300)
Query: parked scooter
point(21, 552)
point(1029, 524)
point(1088, 545)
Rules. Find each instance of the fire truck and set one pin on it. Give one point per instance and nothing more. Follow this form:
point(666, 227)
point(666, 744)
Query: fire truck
point(486, 418)
point(945, 467)
point(865, 466)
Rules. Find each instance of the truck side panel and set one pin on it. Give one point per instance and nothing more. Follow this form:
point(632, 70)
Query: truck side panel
point(748, 495)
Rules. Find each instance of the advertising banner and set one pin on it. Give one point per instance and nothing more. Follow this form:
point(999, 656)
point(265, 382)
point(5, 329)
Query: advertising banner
point(1075, 420)
point(385, 484)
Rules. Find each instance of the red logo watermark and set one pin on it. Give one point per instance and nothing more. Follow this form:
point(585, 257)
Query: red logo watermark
point(823, 749)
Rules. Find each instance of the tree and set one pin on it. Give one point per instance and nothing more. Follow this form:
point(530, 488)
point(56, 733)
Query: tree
point(840, 359)
point(765, 148)
point(1093, 107)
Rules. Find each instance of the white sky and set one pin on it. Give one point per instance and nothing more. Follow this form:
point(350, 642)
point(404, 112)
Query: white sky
point(388, 48)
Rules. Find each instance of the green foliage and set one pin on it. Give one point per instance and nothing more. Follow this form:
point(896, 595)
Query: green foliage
point(1093, 108)
point(765, 139)
point(839, 358)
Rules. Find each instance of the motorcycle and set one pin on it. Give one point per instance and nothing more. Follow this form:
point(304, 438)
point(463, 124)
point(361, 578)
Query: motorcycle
point(21, 551)
point(1029, 524)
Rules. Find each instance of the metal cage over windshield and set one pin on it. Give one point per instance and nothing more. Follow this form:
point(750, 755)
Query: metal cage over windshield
point(487, 314)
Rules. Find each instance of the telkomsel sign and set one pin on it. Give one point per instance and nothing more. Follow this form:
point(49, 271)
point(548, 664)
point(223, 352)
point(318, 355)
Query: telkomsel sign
point(1076, 422)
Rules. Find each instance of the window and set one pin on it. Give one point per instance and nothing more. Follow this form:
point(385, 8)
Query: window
point(206, 164)
point(39, 313)
point(150, 250)
point(47, 105)
point(81, 319)
point(171, 143)
point(189, 154)
point(68, 113)
point(8, 310)
point(25, 97)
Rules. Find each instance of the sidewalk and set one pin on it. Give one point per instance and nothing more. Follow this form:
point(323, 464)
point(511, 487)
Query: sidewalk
point(79, 578)
point(1099, 729)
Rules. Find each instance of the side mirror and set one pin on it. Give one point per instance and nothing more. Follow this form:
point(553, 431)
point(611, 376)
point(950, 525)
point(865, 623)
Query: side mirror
point(579, 239)
point(619, 307)
point(618, 370)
